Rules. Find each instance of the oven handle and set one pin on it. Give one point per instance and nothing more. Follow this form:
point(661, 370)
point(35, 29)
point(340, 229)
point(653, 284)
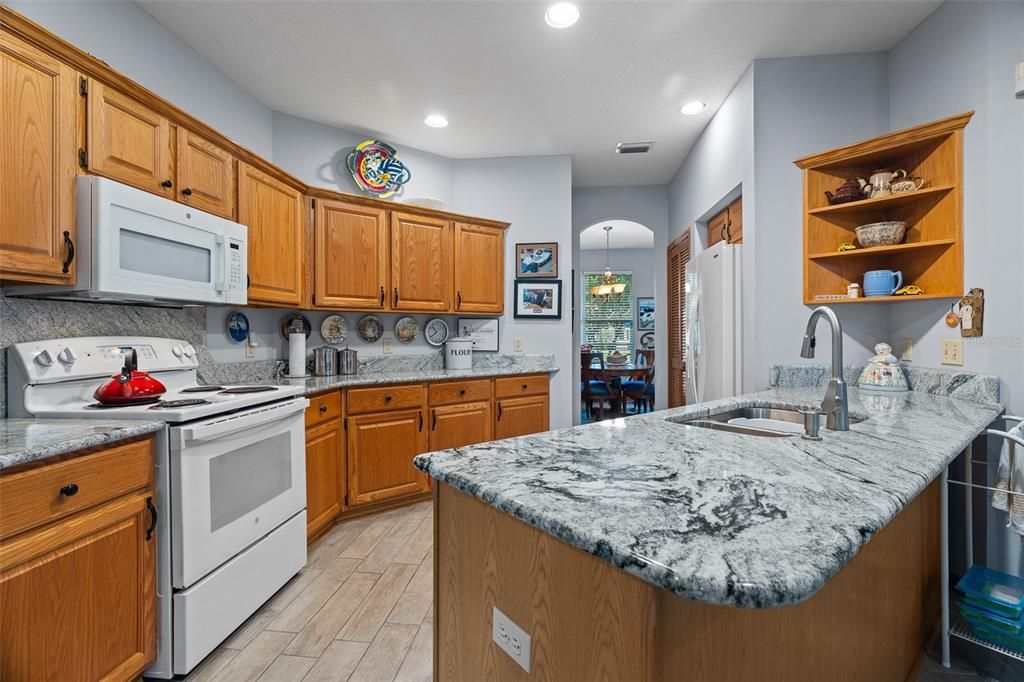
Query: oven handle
point(241, 422)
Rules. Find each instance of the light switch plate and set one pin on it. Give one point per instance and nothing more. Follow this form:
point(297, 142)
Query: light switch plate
point(907, 350)
point(511, 638)
point(517, 345)
point(953, 352)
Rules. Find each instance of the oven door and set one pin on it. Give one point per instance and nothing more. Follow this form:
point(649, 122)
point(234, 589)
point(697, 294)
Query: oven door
point(234, 479)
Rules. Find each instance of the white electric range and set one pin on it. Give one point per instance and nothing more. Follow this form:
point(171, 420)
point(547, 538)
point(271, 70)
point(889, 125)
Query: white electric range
point(230, 476)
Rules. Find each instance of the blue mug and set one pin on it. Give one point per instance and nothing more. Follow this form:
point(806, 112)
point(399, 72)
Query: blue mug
point(882, 282)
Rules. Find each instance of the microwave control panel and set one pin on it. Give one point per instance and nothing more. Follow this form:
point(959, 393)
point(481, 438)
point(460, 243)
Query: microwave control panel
point(235, 276)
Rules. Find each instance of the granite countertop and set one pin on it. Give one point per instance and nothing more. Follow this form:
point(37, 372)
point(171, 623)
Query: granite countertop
point(720, 517)
point(320, 384)
point(28, 440)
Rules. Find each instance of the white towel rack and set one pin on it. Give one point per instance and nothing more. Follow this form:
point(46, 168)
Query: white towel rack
point(959, 629)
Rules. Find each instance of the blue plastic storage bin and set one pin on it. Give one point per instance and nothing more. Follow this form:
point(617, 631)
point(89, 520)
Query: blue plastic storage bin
point(999, 593)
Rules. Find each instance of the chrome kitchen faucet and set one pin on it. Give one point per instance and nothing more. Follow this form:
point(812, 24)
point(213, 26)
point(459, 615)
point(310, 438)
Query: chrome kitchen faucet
point(835, 405)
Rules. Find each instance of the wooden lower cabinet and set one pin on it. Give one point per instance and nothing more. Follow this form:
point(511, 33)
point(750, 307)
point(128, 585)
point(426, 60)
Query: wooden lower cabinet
point(324, 479)
point(521, 416)
point(380, 449)
point(78, 595)
point(455, 426)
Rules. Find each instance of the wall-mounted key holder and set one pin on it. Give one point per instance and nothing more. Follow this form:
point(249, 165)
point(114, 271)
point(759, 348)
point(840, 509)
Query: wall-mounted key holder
point(972, 313)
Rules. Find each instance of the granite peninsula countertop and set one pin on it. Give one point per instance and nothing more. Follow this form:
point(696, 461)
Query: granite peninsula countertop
point(28, 440)
point(720, 517)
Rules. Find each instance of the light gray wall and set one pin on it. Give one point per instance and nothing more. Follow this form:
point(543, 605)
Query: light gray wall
point(647, 205)
point(134, 43)
point(316, 154)
point(534, 194)
point(801, 106)
point(962, 58)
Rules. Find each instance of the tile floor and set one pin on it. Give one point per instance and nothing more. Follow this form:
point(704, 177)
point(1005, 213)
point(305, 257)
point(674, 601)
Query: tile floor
point(362, 610)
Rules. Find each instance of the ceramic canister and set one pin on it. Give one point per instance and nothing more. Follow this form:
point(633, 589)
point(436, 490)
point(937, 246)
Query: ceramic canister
point(458, 354)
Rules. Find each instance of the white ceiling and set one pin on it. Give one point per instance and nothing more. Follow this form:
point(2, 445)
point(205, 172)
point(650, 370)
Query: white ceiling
point(625, 235)
point(509, 84)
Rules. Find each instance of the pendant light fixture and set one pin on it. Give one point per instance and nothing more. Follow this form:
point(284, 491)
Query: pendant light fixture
point(610, 284)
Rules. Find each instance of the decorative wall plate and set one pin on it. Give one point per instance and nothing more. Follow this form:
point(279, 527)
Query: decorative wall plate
point(370, 328)
point(436, 332)
point(238, 326)
point(286, 325)
point(333, 329)
point(376, 169)
point(407, 329)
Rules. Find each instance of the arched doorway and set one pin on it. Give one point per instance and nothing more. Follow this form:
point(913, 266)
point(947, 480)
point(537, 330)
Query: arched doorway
point(616, 318)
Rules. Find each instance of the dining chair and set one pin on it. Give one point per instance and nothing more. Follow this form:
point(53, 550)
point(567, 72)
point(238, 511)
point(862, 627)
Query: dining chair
point(595, 385)
point(641, 392)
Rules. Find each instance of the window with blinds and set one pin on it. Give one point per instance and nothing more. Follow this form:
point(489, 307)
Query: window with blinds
point(608, 325)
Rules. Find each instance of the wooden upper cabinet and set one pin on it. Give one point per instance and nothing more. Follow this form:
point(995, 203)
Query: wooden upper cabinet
point(716, 228)
point(350, 256)
point(38, 124)
point(380, 449)
point(206, 175)
point(421, 263)
point(479, 269)
point(734, 226)
point(272, 211)
point(128, 142)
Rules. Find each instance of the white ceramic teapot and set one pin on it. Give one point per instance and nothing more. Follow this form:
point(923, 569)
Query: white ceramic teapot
point(903, 182)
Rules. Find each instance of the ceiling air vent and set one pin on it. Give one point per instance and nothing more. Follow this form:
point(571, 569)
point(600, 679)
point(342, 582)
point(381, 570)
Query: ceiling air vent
point(633, 147)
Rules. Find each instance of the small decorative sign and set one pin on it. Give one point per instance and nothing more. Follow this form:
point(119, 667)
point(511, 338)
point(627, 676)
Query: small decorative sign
point(644, 313)
point(483, 332)
point(538, 299)
point(376, 169)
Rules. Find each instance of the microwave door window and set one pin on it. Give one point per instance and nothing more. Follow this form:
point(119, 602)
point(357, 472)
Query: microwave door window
point(151, 255)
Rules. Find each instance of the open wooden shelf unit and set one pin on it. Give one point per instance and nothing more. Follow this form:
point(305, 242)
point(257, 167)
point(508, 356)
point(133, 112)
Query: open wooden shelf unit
point(931, 255)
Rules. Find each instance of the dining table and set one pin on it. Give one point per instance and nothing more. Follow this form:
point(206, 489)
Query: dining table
point(628, 369)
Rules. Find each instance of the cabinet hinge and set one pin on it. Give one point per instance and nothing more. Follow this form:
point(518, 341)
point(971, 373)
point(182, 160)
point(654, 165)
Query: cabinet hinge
point(83, 86)
point(313, 203)
point(344, 423)
point(346, 500)
point(83, 158)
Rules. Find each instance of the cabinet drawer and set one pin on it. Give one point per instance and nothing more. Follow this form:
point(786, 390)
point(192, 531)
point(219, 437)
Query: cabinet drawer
point(37, 496)
point(510, 387)
point(450, 392)
point(323, 407)
point(387, 398)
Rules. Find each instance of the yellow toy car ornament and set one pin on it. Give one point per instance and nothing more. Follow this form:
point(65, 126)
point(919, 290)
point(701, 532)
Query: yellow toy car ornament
point(846, 246)
point(909, 290)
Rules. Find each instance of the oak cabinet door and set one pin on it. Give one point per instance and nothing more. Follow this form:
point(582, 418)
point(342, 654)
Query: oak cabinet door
point(206, 175)
point(272, 211)
point(479, 269)
point(350, 256)
point(323, 475)
point(421, 263)
point(128, 142)
point(716, 228)
point(38, 123)
point(456, 426)
point(380, 450)
point(83, 607)
point(521, 416)
point(734, 226)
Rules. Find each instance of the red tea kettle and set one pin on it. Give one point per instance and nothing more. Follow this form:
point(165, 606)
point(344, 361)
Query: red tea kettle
point(131, 386)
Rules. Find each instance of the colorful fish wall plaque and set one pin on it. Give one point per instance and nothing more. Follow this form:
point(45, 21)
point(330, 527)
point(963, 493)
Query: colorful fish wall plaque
point(376, 169)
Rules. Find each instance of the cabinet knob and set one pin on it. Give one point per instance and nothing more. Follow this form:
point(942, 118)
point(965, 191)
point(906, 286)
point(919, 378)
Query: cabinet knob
point(323, 408)
point(187, 192)
point(524, 387)
point(387, 398)
point(462, 391)
point(167, 184)
point(69, 490)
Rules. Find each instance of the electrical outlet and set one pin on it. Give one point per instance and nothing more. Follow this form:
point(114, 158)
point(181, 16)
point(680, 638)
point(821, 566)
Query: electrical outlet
point(388, 347)
point(511, 638)
point(907, 350)
point(250, 350)
point(517, 345)
point(953, 352)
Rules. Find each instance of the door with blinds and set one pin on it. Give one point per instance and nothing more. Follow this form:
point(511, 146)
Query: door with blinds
point(678, 257)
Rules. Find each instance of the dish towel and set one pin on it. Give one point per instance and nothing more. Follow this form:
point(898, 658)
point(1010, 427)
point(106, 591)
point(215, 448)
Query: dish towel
point(1000, 498)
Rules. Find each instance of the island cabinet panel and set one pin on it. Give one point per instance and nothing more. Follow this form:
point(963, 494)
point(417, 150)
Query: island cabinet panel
point(380, 449)
point(324, 479)
point(590, 620)
point(39, 100)
point(521, 416)
point(128, 141)
point(479, 269)
point(421, 263)
point(206, 175)
point(272, 211)
point(455, 426)
point(350, 256)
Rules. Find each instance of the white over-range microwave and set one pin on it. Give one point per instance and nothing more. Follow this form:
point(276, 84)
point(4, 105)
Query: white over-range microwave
point(136, 247)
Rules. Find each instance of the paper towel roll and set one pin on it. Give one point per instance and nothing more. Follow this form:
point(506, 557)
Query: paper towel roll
point(297, 353)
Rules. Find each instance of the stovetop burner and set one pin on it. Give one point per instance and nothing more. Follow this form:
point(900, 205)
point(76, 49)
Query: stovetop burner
point(248, 389)
point(101, 406)
point(187, 402)
point(201, 389)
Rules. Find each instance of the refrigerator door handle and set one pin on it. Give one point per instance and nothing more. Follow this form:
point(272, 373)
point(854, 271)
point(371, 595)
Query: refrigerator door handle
point(692, 345)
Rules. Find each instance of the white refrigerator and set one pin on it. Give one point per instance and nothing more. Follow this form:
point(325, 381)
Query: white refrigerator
point(714, 329)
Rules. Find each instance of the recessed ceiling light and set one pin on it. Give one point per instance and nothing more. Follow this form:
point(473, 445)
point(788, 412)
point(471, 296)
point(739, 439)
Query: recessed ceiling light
point(436, 121)
point(692, 108)
point(562, 15)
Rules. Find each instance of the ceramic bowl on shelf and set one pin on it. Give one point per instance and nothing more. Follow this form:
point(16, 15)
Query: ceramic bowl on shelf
point(886, 233)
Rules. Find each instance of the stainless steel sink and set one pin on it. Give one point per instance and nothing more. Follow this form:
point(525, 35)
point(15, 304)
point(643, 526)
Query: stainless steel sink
point(788, 422)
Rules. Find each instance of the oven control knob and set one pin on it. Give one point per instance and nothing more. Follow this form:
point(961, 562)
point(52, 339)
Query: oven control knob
point(43, 358)
point(67, 356)
point(177, 350)
point(190, 352)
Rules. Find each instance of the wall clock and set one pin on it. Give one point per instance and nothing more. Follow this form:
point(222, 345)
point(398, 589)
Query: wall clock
point(436, 331)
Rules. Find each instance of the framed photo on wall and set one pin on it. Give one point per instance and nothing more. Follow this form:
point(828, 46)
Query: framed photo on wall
point(537, 260)
point(482, 330)
point(644, 313)
point(538, 299)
